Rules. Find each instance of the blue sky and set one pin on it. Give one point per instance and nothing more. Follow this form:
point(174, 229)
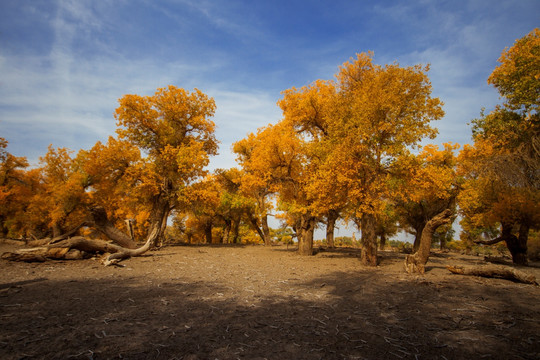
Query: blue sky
point(64, 64)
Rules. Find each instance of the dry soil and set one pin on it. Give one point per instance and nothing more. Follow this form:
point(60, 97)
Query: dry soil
point(252, 302)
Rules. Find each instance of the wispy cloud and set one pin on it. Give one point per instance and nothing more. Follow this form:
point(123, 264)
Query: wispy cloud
point(64, 64)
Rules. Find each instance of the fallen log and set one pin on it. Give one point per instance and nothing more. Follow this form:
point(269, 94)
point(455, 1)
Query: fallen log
point(11, 241)
point(497, 260)
point(501, 272)
point(76, 248)
point(26, 257)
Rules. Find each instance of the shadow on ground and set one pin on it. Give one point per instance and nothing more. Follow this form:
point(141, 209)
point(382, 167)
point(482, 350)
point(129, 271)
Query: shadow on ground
point(364, 315)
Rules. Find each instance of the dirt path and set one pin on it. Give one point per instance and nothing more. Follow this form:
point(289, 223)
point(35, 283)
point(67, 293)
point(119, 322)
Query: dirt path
point(257, 303)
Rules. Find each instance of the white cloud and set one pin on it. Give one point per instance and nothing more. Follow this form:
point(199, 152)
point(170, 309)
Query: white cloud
point(237, 115)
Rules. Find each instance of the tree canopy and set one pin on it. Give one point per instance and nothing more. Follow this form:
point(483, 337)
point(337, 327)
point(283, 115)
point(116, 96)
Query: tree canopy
point(502, 167)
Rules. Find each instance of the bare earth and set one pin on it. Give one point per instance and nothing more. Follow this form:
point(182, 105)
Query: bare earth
point(252, 302)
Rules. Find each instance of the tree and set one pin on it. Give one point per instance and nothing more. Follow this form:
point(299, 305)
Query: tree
point(386, 224)
point(381, 112)
point(338, 140)
point(256, 185)
point(280, 157)
point(102, 186)
point(309, 112)
point(516, 76)
point(425, 198)
point(173, 129)
point(416, 262)
point(502, 169)
point(203, 199)
point(64, 197)
point(427, 186)
point(234, 205)
point(116, 175)
point(14, 191)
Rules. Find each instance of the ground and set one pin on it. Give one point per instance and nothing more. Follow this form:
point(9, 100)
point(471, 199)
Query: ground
point(253, 302)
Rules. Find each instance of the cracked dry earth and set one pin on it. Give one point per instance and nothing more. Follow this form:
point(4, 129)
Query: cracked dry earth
point(252, 302)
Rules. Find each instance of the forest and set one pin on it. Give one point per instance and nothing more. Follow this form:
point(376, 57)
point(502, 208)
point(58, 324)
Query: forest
point(346, 149)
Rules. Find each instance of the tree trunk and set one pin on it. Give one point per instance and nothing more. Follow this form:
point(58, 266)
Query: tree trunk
point(516, 245)
point(226, 231)
point(208, 232)
point(418, 236)
point(305, 237)
point(255, 224)
point(163, 228)
point(382, 243)
point(158, 218)
point(330, 227)
point(502, 272)
point(266, 231)
point(416, 262)
point(369, 240)
point(57, 230)
point(443, 243)
point(235, 230)
point(103, 225)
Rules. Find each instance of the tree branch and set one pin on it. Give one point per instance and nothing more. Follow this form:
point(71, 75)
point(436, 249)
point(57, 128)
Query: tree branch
point(489, 242)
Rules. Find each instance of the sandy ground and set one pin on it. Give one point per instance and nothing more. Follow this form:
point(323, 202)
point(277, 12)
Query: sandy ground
point(252, 302)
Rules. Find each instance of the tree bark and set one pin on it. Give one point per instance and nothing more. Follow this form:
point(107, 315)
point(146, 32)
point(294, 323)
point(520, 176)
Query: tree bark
point(163, 228)
point(330, 227)
point(266, 231)
point(382, 243)
point(235, 230)
point(518, 249)
point(208, 232)
point(226, 231)
point(502, 272)
point(369, 240)
point(418, 236)
point(255, 224)
point(517, 245)
point(63, 249)
point(305, 238)
point(104, 225)
point(416, 262)
point(57, 230)
point(158, 217)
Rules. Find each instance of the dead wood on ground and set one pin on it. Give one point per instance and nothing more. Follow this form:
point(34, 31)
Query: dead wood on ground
point(77, 248)
point(502, 272)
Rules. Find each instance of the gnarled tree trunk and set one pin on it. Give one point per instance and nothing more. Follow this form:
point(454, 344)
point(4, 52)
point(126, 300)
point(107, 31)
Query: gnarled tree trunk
point(418, 236)
point(235, 230)
point(74, 247)
point(266, 231)
point(330, 227)
point(518, 248)
point(226, 231)
point(416, 262)
point(305, 236)
point(208, 232)
point(158, 217)
point(369, 240)
point(382, 243)
point(104, 225)
point(517, 245)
